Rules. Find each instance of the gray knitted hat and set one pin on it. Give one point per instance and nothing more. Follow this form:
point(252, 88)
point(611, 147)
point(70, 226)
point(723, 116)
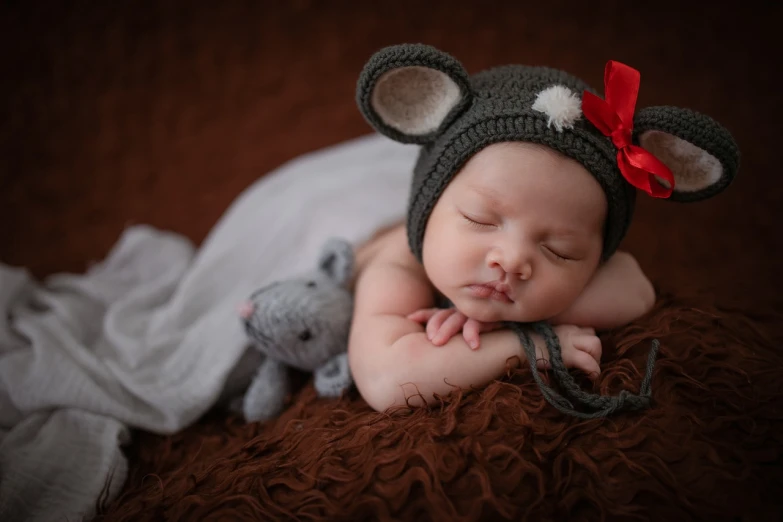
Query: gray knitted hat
point(414, 93)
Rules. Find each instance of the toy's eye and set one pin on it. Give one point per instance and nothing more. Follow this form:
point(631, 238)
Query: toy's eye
point(311, 284)
point(305, 335)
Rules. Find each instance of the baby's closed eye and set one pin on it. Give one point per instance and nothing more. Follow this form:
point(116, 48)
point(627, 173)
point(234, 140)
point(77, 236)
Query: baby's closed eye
point(482, 223)
point(558, 253)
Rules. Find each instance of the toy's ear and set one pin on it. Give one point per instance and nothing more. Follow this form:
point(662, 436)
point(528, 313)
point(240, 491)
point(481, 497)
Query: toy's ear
point(701, 154)
point(336, 261)
point(412, 92)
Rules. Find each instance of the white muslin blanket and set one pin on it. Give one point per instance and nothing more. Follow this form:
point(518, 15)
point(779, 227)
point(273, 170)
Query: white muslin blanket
point(148, 337)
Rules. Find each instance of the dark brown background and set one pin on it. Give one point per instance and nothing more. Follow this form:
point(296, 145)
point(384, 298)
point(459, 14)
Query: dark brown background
point(162, 113)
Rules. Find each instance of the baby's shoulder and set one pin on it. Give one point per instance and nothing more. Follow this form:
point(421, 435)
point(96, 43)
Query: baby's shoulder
point(388, 247)
point(392, 281)
point(395, 247)
point(395, 253)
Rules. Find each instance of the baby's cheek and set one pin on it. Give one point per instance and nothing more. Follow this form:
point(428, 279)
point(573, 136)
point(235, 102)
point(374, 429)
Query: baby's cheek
point(447, 267)
point(467, 262)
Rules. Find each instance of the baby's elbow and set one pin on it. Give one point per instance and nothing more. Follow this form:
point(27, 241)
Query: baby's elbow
point(381, 393)
point(384, 393)
point(370, 377)
point(644, 287)
point(371, 388)
point(378, 378)
point(378, 396)
point(647, 296)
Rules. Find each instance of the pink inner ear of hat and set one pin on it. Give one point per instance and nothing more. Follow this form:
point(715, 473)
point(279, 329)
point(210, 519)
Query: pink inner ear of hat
point(693, 168)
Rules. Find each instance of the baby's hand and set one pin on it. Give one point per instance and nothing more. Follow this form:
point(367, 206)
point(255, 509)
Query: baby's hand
point(580, 348)
point(443, 324)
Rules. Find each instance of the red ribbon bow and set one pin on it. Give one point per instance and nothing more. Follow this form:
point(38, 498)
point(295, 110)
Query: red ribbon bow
point(614, 118)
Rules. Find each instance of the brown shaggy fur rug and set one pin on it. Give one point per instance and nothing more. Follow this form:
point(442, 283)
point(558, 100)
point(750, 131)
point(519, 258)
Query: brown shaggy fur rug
point(713, 437)
point(162, 112)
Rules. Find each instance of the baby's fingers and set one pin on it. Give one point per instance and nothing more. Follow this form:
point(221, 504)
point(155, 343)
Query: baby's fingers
point(471, 332)
point(450, 327)
point(436, 321)
point(585, 362)
point(589, 344)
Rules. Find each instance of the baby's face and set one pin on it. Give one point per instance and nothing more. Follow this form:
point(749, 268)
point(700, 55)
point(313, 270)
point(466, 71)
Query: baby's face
point(517, 235)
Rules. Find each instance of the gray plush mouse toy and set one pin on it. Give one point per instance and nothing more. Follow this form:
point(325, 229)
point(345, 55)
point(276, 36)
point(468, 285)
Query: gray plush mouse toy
point(303, 323)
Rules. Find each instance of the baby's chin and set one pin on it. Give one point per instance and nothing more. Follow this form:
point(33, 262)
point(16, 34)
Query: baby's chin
point(492, 311)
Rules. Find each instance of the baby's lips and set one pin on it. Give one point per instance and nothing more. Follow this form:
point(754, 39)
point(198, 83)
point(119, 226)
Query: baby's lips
point(246, 309)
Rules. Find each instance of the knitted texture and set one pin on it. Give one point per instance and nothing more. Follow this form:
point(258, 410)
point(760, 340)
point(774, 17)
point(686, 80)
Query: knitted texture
point(301, 322)
point(701, 131)
point(398, 57)
point(592, 405)
point(502, 111)
point(497, 105)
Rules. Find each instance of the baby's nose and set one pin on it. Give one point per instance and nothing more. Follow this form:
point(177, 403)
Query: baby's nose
point(514, 262)
point(246, 309)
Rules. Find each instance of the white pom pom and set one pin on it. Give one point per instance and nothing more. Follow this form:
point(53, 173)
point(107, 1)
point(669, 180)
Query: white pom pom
point(561, 105)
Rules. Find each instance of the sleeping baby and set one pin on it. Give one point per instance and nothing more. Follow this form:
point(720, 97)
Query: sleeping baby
point(522, 192)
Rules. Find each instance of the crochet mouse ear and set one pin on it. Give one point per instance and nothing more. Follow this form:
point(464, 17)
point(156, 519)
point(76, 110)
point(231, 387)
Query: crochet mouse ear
point(336, 261)
point(701, 154)
point(412, 92)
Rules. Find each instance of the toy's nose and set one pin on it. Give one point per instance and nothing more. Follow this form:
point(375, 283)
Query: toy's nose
point(246, 309)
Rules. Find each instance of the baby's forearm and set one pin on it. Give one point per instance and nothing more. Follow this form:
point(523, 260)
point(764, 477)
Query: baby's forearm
point(417, 370)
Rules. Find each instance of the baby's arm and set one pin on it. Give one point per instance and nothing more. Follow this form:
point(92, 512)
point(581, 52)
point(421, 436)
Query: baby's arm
point(392, 360)
point(390, 356)
point(618, 294)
